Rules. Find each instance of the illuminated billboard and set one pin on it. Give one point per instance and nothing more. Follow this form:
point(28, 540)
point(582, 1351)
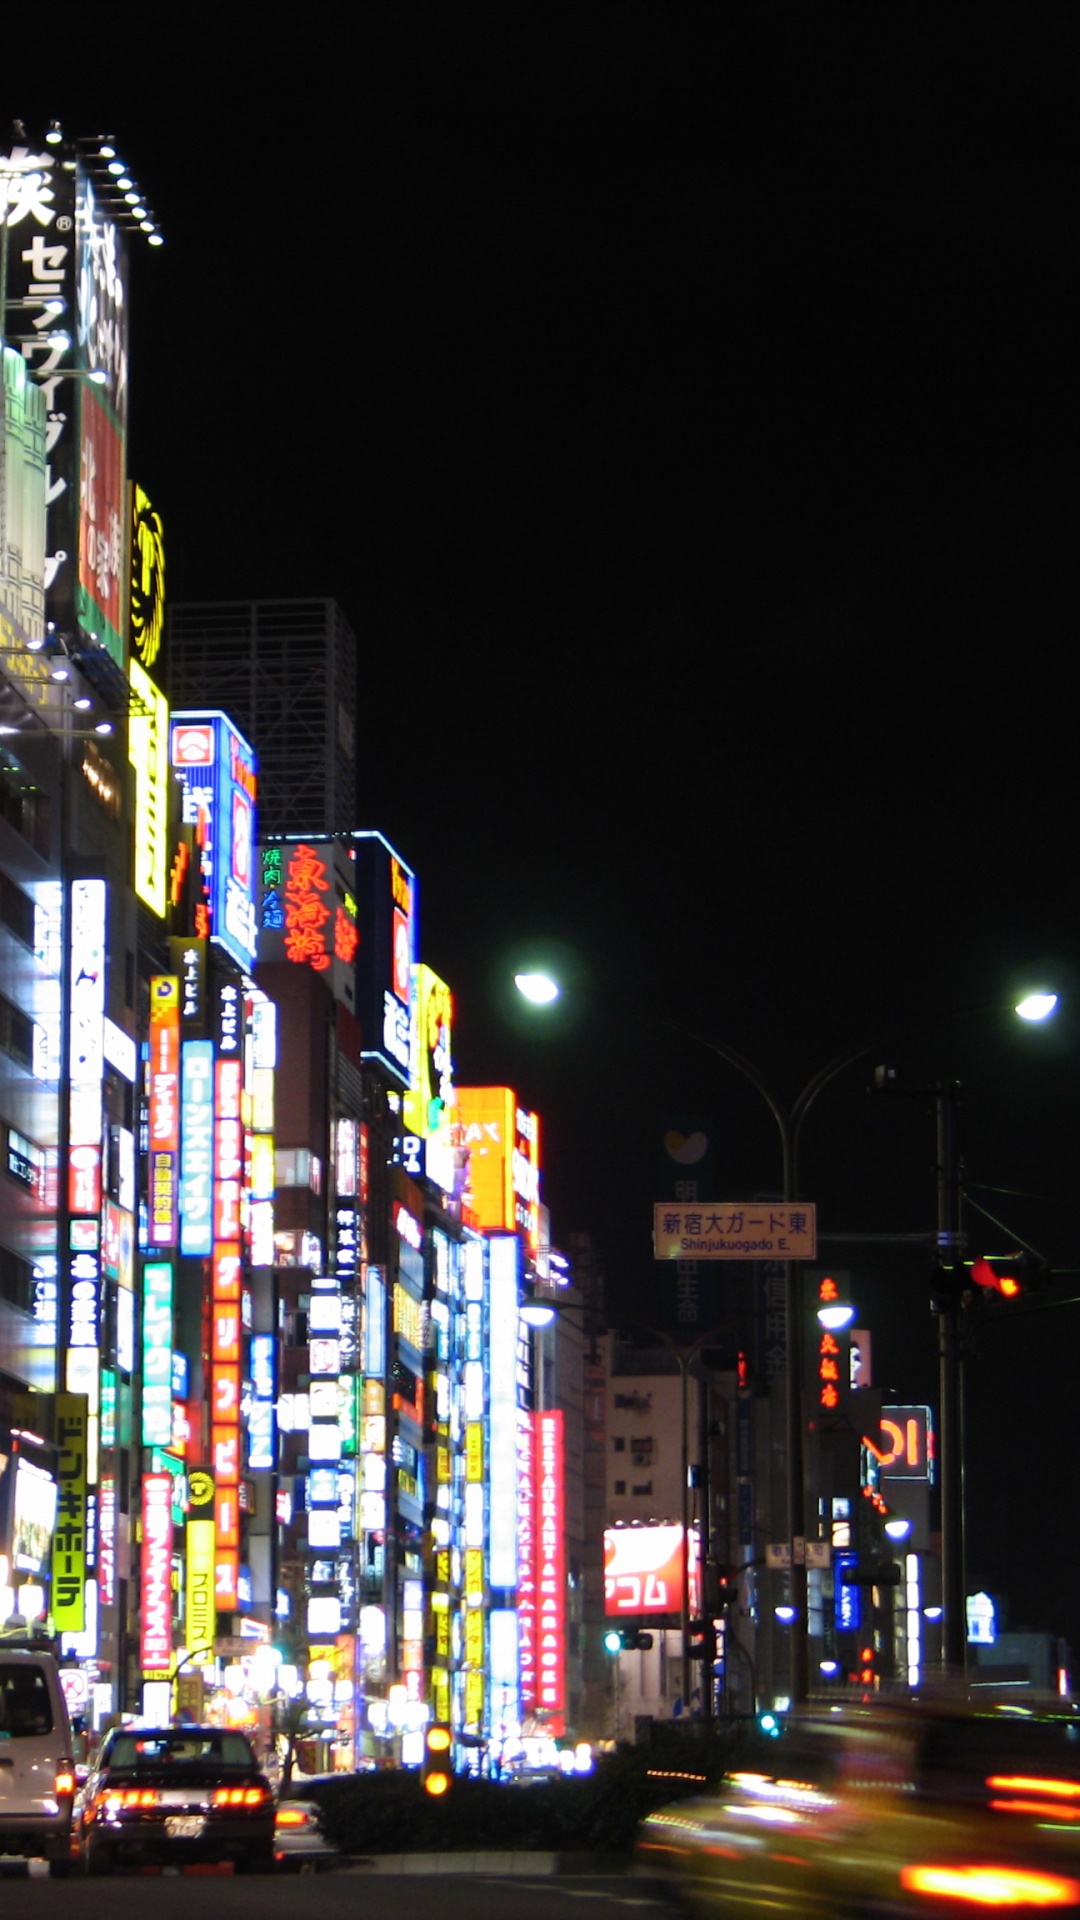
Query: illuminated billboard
point(147, 583)
point(99, 596)
point(157, 1342)
point(155, 1613)
point(69, 1545)
point(503, 1142)
point(429, 1105)
point(550, 1567)
point(216, 768)
point(148, 752)
point(905, 1447)
point(164, 1109)
point(200, 1607)
point(385, 958)
point(643, 1570)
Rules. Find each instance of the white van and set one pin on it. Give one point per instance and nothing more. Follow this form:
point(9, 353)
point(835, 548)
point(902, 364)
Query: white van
point(37, 1771)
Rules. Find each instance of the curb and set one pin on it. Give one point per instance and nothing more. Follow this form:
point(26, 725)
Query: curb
point(510, 1863)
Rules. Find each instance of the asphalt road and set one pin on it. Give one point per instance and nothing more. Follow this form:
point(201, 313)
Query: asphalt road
point(342, 1896)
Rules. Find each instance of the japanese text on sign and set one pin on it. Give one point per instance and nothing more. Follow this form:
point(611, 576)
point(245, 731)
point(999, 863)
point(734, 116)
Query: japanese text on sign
point(735, 1230)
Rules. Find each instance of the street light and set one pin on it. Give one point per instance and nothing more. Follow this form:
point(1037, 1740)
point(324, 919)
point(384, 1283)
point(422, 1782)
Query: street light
point(1034, 1006)
point(539, 988)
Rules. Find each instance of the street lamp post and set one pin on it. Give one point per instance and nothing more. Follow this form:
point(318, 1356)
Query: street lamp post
point(950, 1410)
point(1036, 1006)
point(789, 1125)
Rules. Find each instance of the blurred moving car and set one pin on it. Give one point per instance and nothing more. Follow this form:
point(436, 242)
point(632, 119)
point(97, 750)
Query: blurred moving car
point(300, 1843)
point(37, 1771)
point(948, 1808)
point(174, 1796)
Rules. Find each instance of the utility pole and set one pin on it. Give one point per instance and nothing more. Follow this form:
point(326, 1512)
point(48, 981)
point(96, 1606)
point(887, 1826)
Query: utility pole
point(947, 1305)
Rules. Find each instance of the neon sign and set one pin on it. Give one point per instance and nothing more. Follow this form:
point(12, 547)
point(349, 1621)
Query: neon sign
point(196, 1146)
point(155, 1618)
point(148, 752)
point(386, 890)
point(164, 1108)
point(217, 770)
point(306, 912)
point(157, 1416)
point(550, 1568)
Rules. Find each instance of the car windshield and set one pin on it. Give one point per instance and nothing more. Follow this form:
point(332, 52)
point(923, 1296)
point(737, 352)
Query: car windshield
point(139, 1752)
point(25, 1707)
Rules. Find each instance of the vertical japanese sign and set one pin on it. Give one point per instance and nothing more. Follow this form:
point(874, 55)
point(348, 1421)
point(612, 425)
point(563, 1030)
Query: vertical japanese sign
point(196, 1146)
point(102, 346)
point(85, 1071)
point(148, 752)
point(200, 1616)
point(157, 1341)
point(164, 1109)
point(155, 1617)
point(37, 212)
point(69, 1538)
point(99, 600)
point(217, 772)
point(503, 1282)
point(260, 1069)
point(550, 1568)
point(61, 245)
point(226, 1338)
point(308, 912)
point(526, 1556)
point(86, 1063)
point(525, 1177)
point(387, 895)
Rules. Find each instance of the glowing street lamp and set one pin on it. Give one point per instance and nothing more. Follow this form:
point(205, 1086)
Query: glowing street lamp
point(1036, 1006)
point(539, 988)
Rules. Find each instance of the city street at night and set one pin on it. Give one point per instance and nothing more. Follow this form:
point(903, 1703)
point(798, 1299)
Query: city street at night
point(539, 938)
point(353, 1895)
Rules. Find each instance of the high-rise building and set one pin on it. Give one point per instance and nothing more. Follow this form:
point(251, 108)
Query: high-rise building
point(286, 672)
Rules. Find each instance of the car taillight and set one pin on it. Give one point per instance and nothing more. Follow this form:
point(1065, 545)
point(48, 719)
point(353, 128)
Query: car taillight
point(1039, 1809)
point(240, 1796)
point(128, 1797)
point(1029, 1783)
point(291, 1817)
point(990, 1885)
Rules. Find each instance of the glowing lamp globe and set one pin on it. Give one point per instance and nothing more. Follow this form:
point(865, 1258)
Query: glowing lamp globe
point(540, 988)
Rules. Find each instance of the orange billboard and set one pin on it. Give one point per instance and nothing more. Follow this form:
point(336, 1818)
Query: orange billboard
point(503, 1181)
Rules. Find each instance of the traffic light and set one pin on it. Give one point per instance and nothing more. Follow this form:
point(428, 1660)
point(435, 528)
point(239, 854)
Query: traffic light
point(770, 1724)
point(1009, 1274)
point(437, 1771)
point(702, 1640)
point(626, 1640)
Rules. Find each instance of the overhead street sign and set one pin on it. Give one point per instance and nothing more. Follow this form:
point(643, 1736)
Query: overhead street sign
point(735, 1230)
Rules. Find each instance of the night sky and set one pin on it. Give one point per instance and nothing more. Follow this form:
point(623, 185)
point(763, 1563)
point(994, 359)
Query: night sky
point(686, 424)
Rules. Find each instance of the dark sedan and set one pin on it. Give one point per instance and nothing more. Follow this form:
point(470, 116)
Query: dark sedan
point(177, 1796)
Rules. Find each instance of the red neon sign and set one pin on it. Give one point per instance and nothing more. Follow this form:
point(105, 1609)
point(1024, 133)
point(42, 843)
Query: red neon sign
point(306, 914)
point(155, 1629)
point(550, 1569)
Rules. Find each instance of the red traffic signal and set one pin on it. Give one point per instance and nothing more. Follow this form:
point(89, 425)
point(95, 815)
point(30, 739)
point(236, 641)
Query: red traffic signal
point(1009, 1274)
